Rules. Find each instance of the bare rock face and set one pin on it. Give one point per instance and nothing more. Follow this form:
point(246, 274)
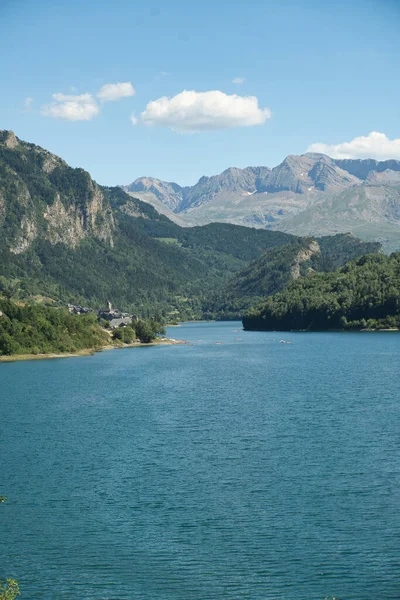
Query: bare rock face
point(363, 168)
point(302, 256)
point(301, 174)
point(10, 140)
point(388, 177)
point(291, 175)
point(101, 220)
point(26, 237)
point(326, 175)
point(65, 224)
point(296, 174)
point(70, 224)
point(232, 182)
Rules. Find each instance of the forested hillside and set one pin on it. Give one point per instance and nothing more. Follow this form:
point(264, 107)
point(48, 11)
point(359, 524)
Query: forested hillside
point(365, 293)
point(35, 329)
point(274, 269)
point(63, 237)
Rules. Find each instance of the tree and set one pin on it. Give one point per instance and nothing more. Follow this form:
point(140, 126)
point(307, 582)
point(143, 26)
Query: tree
point(9, 287)
point(157, 327)
point(10, 590)
point(144, 332)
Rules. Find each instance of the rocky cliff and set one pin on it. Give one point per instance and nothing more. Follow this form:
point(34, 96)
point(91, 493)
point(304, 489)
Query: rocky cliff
point(40, 195)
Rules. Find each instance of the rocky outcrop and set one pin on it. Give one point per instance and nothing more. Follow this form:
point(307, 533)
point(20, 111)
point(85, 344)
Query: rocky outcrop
point(362, 168)
point(302, 256)
point(70, 225)
point(50, 162)
point(326, 175)
point(388, 177)
point(26, 237)
point(40, 195)
point(232, 182)
point(9, 139)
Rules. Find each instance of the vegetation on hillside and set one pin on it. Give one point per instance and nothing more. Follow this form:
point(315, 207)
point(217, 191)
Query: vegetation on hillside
point(100, 243)
point(36, 329)
point(107, 245)
point(273, 270)
point(243, 243)
point(364, 294)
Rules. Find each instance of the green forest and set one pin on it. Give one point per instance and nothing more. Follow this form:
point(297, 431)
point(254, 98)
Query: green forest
point(364, 294)
point(36, 329)
point(273, 270)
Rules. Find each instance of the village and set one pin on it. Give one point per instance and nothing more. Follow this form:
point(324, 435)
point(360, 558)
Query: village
point(114, 317)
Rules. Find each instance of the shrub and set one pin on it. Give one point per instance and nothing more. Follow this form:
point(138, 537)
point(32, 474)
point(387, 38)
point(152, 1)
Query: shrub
point(10, 590)
point(125, 334)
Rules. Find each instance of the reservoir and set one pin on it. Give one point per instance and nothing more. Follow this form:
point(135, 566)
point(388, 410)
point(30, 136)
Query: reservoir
point(237, 467)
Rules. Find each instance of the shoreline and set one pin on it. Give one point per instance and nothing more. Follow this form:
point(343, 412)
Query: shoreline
point(195, 321)
point(324, 330)
point(88, 351)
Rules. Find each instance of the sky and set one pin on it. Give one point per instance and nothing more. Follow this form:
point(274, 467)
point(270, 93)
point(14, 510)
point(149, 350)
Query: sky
point(177, 90)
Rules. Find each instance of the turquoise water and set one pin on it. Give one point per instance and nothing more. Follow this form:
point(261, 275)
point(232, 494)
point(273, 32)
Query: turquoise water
point(248, 469)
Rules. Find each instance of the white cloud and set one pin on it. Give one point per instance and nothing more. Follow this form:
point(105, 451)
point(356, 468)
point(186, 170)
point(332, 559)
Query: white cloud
point(83, 107)
point(71, 107)
point(115, 91)
point(28, 103)
point(192, 111)
point(238, 80)
point(133, 119)
point(375, 145)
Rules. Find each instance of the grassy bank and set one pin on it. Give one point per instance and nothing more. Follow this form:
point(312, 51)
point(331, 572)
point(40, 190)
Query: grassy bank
point(88, 351)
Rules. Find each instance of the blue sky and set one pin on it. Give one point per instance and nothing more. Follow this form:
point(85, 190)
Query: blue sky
point(327, 71)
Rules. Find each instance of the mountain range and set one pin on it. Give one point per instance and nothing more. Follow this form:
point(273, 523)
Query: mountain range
point(305, 195)
point(65, 238)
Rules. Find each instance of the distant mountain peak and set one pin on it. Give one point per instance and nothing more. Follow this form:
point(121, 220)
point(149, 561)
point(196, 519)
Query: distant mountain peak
point(368, 193)
point(317, 156)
